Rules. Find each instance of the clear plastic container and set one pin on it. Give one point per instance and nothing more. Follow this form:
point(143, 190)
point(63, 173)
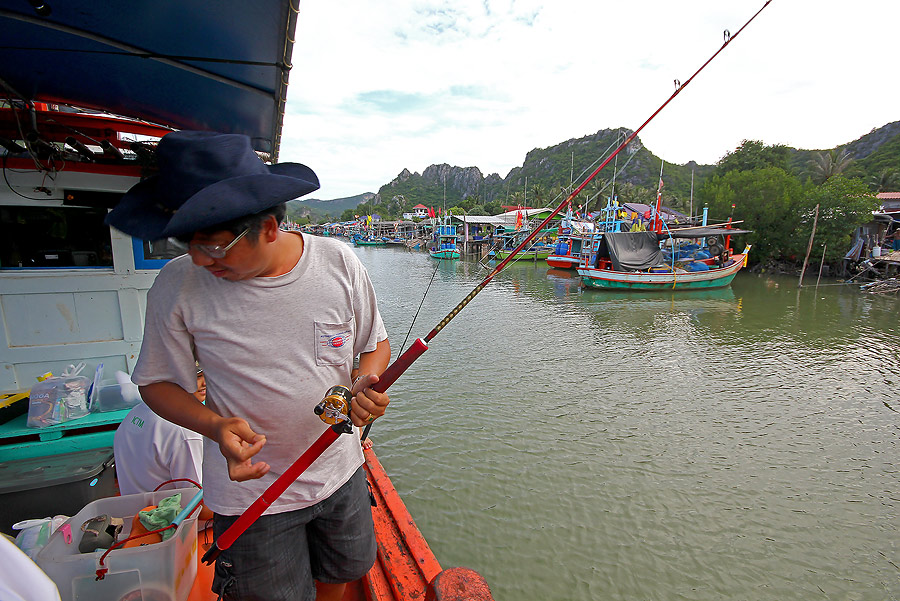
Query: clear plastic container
point(110, 397)
point(164, 570)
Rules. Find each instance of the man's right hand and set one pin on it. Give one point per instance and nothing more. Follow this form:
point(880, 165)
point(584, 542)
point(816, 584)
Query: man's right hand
point(238, 443)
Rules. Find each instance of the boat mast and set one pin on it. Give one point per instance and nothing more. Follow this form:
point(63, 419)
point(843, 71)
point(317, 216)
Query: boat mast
point(657, 224)
point(613, 200)
point(572, 174)
point(692, 195)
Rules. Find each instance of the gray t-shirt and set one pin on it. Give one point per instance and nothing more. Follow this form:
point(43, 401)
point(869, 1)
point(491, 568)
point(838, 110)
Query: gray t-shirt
point(270, 348)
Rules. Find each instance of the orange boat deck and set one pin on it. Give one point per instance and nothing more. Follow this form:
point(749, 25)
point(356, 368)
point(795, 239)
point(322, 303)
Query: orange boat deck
point(405, 570)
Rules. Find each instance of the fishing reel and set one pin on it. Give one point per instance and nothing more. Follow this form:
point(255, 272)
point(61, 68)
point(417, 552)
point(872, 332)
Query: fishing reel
point(334, 409)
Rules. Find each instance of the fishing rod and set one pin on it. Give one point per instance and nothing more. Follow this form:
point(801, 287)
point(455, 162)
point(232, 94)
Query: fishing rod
point(335, 407)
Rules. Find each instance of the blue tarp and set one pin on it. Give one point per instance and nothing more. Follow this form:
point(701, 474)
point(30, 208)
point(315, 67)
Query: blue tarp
point(190, 64)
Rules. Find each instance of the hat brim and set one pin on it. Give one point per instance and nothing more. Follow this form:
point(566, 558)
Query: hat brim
point(141, 213)
point(138, 214)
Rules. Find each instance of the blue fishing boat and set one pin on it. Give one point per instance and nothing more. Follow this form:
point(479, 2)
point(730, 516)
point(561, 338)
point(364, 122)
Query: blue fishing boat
point(369, 241)
point(445, 241)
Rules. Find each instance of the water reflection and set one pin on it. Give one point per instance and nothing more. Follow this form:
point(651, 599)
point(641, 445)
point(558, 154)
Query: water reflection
point(736, 443)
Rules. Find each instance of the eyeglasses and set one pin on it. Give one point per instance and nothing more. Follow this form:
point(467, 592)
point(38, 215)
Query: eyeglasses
point(216, 251)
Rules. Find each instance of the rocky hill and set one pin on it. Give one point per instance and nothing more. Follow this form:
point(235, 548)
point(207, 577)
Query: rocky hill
point(549, 173)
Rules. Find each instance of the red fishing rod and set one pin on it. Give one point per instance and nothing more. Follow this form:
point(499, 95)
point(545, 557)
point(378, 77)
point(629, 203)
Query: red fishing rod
point(335, 408)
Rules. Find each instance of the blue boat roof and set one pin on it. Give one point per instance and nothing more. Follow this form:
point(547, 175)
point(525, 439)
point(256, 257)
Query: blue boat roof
point(219, 66)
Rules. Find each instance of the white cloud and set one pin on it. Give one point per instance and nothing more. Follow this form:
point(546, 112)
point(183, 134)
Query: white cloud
point(381, 86)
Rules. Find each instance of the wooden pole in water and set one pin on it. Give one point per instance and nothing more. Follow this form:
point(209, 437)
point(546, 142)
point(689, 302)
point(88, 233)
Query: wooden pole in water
point(809, 248)
point(822, 264)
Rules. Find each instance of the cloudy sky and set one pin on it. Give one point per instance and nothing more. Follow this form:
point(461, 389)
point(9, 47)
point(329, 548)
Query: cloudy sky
point(382, 86)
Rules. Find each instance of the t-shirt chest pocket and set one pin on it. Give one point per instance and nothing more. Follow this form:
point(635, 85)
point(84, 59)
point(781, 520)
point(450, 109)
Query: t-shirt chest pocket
point(334, 342)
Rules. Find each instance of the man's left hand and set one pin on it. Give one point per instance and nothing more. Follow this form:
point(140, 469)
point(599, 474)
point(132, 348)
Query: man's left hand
point(367, 405)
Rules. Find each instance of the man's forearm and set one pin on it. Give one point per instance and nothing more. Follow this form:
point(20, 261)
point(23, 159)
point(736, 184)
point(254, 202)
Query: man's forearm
point(171, 402)
point(375, 361)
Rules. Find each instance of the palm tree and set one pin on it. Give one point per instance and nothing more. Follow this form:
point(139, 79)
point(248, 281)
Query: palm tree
point(538, 194)
point(886, 181)
point(827, 164)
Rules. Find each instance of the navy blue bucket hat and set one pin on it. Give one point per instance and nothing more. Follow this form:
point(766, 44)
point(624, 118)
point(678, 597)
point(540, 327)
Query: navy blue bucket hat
point(205, 179)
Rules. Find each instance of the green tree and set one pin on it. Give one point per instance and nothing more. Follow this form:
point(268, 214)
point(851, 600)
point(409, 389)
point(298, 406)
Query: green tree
point(628, 192)
point(493, 208)
point(476, 210)
point(753, 154)
point(844, 205)
point(537, 195)
point(827, 164)
point(767, 200)
point(887, 180)
point(456, 211)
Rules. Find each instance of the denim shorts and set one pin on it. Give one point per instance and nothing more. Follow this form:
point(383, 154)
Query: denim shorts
point(280, 556)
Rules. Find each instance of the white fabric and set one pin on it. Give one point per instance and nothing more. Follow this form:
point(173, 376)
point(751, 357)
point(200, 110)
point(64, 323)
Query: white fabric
point(20, 578)
point(270, 347)
point(150, 450)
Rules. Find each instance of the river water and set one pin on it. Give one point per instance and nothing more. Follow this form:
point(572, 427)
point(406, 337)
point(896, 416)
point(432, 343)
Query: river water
point(578, 445)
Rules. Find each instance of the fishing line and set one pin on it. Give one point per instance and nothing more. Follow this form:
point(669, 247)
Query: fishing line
point(433, 273)
point(368, 427)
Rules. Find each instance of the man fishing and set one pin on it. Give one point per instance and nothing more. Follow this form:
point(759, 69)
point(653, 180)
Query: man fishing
point(276, 319)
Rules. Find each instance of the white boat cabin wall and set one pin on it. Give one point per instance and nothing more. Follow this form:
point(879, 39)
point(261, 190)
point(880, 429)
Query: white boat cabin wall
point(72, 289)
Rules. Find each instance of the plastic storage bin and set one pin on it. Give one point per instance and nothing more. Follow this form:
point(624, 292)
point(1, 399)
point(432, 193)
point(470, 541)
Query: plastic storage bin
point(54, 484)
point(161, 571)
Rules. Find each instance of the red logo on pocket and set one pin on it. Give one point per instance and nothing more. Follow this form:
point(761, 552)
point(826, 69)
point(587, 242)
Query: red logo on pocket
point(337, 342)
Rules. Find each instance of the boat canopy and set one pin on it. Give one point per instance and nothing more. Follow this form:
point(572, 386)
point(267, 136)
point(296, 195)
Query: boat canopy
point(630, 251)
point(191, 64)
point(700, 232)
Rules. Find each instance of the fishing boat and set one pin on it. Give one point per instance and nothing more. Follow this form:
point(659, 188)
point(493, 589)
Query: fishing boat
point(369, 241)
point(445, 241)
point(566, 253)
point(658, 255)
point(573, 236)
point(635, 261)
point(82, 111)
point(536, 251)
